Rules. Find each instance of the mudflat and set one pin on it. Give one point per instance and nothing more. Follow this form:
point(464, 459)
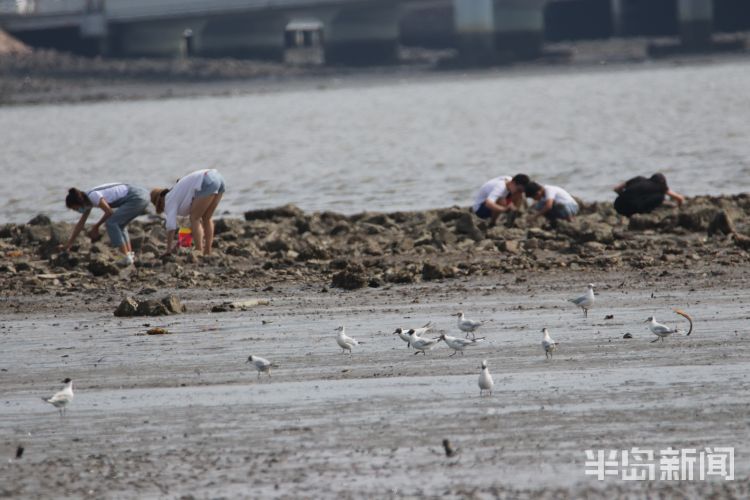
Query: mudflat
point(182, 415)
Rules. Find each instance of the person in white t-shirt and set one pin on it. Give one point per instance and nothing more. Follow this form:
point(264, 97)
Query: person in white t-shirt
point(121, 203)
point(499, 195)
point(197, 195)
point(552, 202)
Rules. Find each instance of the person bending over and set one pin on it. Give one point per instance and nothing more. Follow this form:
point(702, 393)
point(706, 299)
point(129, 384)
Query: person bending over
point(499, 195)
point(197, 195)
point(552, 202)
point(121, 203)
point(640, 195)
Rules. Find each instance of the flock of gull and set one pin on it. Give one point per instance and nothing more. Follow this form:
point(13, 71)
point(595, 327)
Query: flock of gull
point(416, 339)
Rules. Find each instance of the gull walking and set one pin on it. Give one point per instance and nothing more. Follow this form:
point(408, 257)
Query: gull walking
point(261, 364)
point(458, 345)
point(585, 301)
point(404, 334)
point(421, 344)
point(467, 326)
point(548, 344)
point(662, 331)
point(62, 398)
point(485, 380)
point(344, 341)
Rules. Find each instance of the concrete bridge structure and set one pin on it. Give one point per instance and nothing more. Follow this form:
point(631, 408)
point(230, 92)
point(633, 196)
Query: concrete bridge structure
point(352, 31)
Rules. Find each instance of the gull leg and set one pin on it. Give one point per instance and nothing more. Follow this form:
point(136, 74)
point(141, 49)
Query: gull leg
point(416, 353)
point(454, 353)
point(655, 340)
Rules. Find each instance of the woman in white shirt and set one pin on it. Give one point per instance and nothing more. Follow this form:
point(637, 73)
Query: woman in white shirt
point(121, 203)
point(197, 195)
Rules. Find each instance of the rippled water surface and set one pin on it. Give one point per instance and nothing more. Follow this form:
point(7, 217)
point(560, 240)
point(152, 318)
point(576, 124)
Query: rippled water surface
point(396, 143)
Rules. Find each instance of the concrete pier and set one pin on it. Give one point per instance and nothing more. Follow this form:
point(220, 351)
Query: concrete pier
point(519, 28)
point(475, 31)
point(246, 36)
point(362, 35)
point(695, 18)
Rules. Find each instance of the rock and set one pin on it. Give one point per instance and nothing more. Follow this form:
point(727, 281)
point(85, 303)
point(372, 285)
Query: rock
point(40, 220)
point(627, 336)
point(640, 222)
point(65, 260)
point(128, 307)
point(23, 266)
point(721, 224)
point(466, 225)
point(510, 246)
point(98, 267)
point(275, 245)
point(351, 278)
point(173, 304)
point(157, 331)
point(37, 234)
point(432, 271)
point(285, 211)
point(452, 214)
point(222, 226)
point(152, 307)
point(742, 241)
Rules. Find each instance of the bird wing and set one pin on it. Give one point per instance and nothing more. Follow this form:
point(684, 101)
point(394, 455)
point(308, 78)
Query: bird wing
point(60, 397)
point(687, 317)
point(657, 329)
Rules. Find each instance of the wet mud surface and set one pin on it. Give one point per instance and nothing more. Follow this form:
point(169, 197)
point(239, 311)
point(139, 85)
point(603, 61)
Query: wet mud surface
point(182, 415)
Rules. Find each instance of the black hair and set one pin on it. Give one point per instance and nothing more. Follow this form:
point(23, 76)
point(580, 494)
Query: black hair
point(521, 179)
point(660, 180)
point(532, 188)
point(76, 198)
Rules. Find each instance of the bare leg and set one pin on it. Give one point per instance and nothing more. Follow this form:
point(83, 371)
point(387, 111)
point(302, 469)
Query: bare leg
point(197, 211)
point(208, 223)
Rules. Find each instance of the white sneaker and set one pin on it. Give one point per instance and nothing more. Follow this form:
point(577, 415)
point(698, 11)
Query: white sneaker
point(126, 261)
point(132, 255)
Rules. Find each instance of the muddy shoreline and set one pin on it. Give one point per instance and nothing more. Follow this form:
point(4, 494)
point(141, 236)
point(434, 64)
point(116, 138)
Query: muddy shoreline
point(181, 415)
point(50, 77)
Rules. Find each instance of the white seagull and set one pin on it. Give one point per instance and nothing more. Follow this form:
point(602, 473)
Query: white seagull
point(659, 330)
point(548, 344)
point(467, 326)
point(404, 334)
point(261, 364)
point(344, 341)
point(458, 345)
point(62, 398)
point(421, 344)
point(485, 380)
point(585, 301)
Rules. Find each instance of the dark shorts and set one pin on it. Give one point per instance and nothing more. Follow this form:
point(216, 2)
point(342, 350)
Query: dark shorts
point(483, 212)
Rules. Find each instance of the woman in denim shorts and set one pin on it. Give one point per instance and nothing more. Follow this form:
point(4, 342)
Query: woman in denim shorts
point(197, 195)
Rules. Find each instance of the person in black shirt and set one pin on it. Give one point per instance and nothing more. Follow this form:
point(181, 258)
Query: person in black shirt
point(641, 195)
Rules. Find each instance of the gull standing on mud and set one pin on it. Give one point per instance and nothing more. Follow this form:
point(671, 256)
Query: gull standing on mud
point(261, 364)
point(62, 398)
point(344, 341)
point(458, 345)
point(485, 380)
point(467, 326)
point(404, 334)
point(662, 331)
point(421, 344)
point(548, 344)
point(585, 301)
